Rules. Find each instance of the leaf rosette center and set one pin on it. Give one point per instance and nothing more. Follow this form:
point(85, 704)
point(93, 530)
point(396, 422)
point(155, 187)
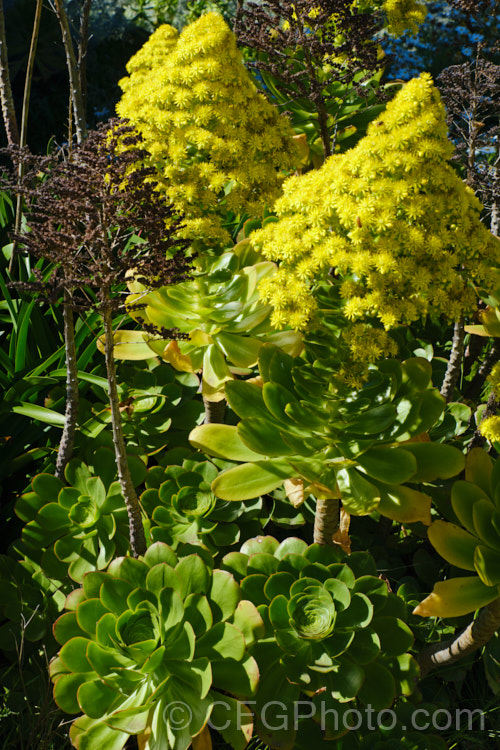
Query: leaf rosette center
point(312, 614)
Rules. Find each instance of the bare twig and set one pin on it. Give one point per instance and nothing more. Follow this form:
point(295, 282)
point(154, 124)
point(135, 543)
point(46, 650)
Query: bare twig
point(82, 52)
point(70, 418)
point(74, 77)
point(24, 116)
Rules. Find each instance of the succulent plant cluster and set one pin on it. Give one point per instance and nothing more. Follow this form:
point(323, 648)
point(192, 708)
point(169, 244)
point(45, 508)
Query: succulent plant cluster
point(472, 544)
point(149, 635)
point(333, 629)
point(82, 525)
point(298, 424)
point(183, 509)
point(219, 313)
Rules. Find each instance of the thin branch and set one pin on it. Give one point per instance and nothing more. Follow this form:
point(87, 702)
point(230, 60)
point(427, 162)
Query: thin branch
point(74, 77)
point(82, 52)
point(24, 116)
point(8, 110)
point(471, 639)
point(70, 418)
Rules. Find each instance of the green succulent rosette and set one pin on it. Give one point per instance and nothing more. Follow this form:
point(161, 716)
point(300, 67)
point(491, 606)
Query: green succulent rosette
point(469, 540)
point(73, 529)
point(220, 313)
point(183, 509)
point(148, 645)
point(300, 424)
point(334, 632)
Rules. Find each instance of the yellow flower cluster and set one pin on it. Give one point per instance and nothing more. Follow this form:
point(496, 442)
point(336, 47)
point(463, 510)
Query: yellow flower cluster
point(217, 142)
point(404, 14)
point(391, 217)
point(490, 429)
point(494, 379)
point(400, 14)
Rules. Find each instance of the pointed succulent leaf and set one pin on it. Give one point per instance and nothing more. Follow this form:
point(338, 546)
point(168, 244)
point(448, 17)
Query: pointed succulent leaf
point(456, 597)
point(251, 480)
point(222, 441)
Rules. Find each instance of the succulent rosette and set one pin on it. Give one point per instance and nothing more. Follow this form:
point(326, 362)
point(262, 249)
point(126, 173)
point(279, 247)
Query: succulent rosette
point(146, 648)
point(333, 629)
point(83, 525)
point(297, 424)
point(219, 312)
point(183, 508)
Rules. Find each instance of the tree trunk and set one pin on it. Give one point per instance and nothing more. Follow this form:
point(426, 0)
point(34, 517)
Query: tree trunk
point(326, 520)
point(214, 411)
point(68, 436)
point(472, 638)
point(137, 537)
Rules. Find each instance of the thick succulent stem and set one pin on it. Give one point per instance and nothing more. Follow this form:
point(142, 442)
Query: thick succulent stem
point(472, 638)
point(74, 77)
point(71, 414)
point(214, 411)
point(137, 537)
point(8, 110)
point(326, 520)
point(455, 361)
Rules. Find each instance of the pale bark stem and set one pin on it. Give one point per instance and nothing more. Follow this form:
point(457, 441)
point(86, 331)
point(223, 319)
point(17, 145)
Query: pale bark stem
point(137, 537)
point(475, 635)
point(71, 415)
point(24, 116)
point(8, 110)
point(326, 520)
point(454, 362)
